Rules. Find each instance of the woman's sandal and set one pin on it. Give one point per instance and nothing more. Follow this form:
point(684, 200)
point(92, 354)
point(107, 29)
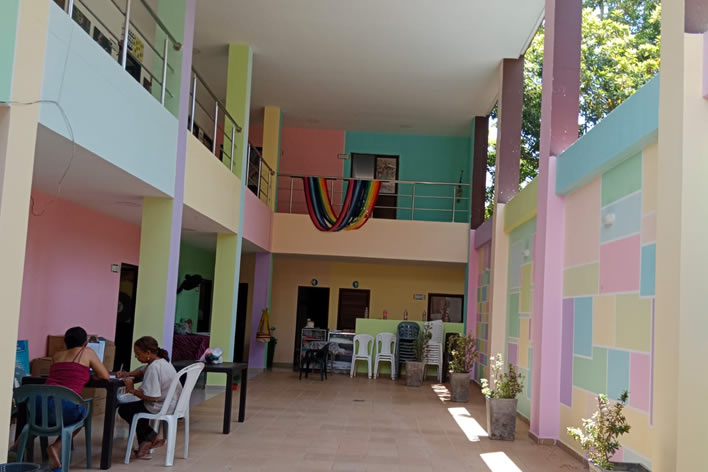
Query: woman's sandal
point(144, 451)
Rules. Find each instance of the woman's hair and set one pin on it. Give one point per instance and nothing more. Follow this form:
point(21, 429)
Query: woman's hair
point(75, 337)
point(149, 344)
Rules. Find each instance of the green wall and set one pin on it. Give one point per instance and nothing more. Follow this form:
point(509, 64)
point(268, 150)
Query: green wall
point(9, 10)
point(421, 158)
point(172, 14)
point(193, 260)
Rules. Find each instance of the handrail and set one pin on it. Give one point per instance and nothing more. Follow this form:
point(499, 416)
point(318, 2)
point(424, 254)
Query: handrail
point(461, 184)
point(175, 44)
point(213, 95)
point(260, 156)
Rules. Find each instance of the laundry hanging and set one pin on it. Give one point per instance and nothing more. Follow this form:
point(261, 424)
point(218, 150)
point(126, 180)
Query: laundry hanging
point(358, 206)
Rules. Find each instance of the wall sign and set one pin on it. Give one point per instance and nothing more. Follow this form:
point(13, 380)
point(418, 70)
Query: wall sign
point(418, 296)
point(355, 284)
point(314, 282)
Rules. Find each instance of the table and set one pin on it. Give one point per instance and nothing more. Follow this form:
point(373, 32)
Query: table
point(228, 368)
point(109, 421)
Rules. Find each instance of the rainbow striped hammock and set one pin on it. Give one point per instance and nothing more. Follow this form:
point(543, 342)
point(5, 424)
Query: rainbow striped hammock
point(357, 208)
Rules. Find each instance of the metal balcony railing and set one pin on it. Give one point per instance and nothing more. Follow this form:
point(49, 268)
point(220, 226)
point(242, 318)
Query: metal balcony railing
point(261, 176)
point(398, 199)
point(123, 28)
point(211, 123)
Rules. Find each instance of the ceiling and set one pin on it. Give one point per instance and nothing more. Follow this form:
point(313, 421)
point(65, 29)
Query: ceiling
point(404, 66)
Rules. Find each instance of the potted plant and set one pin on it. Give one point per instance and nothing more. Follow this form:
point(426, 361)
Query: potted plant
point(501, 400)
point(463, 354)
point(600, 433)
point(415, 370)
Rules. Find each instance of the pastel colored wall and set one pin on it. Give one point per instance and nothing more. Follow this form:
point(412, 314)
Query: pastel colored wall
point(8, 32)
point(210, 188)
point(78, 73)
point(192, 260)
point(68, 279)
point(392, 287)
point(258, 221)
point(378, 239)
point(482, 274)
point(422, 158)
point(248, 266)
point(519, 347)
point(608, 306)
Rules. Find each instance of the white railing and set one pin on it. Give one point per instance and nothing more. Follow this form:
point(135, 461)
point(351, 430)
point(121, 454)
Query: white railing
point(211, 123)
point(132, 33)
point(260, 175)
point(398, 199)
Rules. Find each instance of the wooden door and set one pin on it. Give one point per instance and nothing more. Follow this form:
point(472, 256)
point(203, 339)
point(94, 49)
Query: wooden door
point(353, 304)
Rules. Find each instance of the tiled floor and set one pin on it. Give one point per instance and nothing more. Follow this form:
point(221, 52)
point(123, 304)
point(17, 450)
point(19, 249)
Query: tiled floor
point(346, 424)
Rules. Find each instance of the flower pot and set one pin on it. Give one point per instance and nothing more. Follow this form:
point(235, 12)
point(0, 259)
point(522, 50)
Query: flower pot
point(501, 418)
point(619, 467)
point(460, 387)
point(414, 373)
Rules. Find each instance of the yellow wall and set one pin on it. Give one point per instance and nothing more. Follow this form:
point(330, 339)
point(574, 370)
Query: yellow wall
point(210, 188)
point(392, 288)
point(426, 241)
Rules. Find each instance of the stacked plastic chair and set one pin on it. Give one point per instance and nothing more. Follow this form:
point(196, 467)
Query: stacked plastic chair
point(434, 351)
point(363, 350)
point(405, 343)
point(384, 341)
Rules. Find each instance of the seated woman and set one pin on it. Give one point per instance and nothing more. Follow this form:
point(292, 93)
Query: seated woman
point(157, 376)
point(70, 369)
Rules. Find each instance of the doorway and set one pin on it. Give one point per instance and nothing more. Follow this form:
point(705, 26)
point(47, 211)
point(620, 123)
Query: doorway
point(353, 304)
point(374, 166)
point(206, 288)
point(312, 303)
point(125, 316)
point(241, 315)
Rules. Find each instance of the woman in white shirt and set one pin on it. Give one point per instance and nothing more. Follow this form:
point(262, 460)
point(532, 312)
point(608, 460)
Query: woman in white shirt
point(157, 376)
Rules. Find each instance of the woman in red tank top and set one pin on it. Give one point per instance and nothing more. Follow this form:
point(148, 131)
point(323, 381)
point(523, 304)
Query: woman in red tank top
point(70, 369)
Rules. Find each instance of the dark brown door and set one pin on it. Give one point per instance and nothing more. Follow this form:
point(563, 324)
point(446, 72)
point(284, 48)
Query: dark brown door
point(353, 304)
point(372, 166)
point(312, 303)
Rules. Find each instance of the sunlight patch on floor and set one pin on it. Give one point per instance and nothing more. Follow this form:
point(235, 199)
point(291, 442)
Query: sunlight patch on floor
point(472, 429)
point(442, 392)
point(499, 462)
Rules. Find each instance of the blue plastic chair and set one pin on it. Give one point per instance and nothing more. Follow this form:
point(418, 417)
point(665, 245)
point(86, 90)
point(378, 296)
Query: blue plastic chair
point(407, 334)
point(38, 424)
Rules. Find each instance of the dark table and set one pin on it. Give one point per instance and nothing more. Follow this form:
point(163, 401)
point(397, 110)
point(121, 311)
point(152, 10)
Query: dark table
point(228, 368)
point(109, 421)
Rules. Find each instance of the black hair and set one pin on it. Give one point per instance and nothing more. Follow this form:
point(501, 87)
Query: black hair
point(75, 337)
point(149, 344)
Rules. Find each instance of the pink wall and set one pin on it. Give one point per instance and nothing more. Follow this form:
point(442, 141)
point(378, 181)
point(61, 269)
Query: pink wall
point(304, 151)
point(68, 279)
point(259, 220)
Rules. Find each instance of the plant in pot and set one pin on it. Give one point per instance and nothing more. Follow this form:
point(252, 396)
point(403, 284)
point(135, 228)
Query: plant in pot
point(415, 370)
point(463, 354)
point(501, 399)
point(600, 434)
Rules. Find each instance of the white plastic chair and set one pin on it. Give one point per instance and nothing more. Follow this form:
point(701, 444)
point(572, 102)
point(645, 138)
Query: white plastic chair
point(362, 351)
point(386, 353)
point(434, 352)
point(181, 411)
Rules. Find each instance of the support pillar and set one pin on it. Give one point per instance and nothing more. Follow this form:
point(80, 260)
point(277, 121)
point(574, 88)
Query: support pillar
point(511, 104)
point(559, 129)
point(480, 143)
point(680, 325)
point(227, 270)
point(161, 227)
point(272, 127)
point(18, 133)
point(261, 300)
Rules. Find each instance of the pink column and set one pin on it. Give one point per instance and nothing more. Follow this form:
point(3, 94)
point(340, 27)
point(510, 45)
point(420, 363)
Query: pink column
point(559, 129)
point(261, 297)
point(509, 136)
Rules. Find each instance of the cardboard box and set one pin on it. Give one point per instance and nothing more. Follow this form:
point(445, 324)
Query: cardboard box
point(56, 343)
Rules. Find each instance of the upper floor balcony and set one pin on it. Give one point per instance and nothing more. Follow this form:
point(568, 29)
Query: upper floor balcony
point(411, 221)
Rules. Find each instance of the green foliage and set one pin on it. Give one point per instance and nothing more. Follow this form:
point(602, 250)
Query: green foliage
point(620, 52)
point(507, 384)
point(421, 344)
point(463, 352)
point(599, 436)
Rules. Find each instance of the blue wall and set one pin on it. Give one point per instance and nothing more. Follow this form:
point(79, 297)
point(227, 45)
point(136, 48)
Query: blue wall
point(110, 113)
point(421, 158)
